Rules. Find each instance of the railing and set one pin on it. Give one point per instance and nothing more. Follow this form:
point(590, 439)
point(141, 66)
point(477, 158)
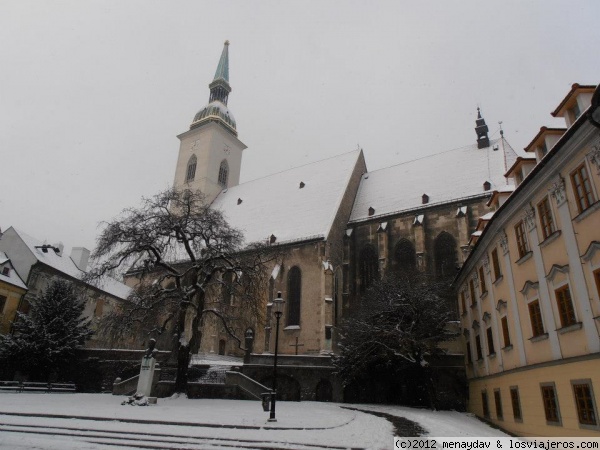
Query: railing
point(246, 383)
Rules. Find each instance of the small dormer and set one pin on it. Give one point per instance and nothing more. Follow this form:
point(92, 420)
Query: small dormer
point(575, 103)
point(520, 169)
point(499, 196)
point(543, 142)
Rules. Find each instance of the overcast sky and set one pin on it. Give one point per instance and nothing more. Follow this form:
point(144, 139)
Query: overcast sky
point(94, 93)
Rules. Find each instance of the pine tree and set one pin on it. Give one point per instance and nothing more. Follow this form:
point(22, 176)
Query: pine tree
point(45, 339)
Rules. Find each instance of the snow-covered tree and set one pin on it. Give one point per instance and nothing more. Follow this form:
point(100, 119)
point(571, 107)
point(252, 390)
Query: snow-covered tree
point(398, 329)
point(45, 339)
point(184, 255)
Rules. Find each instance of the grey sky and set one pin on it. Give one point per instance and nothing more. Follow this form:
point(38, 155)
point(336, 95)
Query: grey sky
point(93, 94)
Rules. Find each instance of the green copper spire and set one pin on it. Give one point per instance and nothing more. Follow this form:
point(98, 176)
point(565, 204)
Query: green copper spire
point(223, 67)
point(219, 88)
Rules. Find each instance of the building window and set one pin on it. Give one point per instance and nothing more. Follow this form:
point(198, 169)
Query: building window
point(496, 264)
point(490, 341)
point(505, 333)
point(482, 286)
point(445, 255)
point(550, 403)
point(223, 173)
point(2, 303)
point(522, 245)
point(478, 347)
point(191, 169)
point(227, 288)
point(565, 306)
point(463, 303)
point(498, 402)
point(535, 314)
point(584, 400)
point(405, 256)
point(485, 405)
point(546, 218)
point(469, 355)
point(582, 188)
point(294, 295)
point(337, 294)
point(369, 267)
point(597, 278)
point(472, 292)
point(543, 149)
point(516, 403)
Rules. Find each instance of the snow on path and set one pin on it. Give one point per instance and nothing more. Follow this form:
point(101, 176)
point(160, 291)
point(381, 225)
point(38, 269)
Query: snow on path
point(440, 423)
point(299, 424)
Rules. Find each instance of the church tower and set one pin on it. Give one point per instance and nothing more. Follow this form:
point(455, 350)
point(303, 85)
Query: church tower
point(210, 154)
point(481, 129)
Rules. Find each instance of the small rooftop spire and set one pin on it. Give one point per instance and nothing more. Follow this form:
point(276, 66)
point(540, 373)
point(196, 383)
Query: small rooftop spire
point(219, 88)
point(482, 131)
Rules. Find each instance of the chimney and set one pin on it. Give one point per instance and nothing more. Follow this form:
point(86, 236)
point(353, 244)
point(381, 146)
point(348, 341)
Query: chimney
point(80, 256)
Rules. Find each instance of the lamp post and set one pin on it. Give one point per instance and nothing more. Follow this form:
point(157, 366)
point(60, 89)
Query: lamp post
point(278, 310)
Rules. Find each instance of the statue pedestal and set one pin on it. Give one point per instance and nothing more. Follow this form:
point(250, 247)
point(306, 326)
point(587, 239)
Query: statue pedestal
point(144, 385)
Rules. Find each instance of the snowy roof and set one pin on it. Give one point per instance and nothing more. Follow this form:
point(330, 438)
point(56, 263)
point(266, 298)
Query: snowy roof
point(65, 264)
point(294, 205)
point(444, 177)
point(12, 277)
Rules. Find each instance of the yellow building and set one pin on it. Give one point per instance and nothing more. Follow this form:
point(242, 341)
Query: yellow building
point(12, 289)
point(528, 293)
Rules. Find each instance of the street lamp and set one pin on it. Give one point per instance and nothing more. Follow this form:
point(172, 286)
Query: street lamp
point(278, 310)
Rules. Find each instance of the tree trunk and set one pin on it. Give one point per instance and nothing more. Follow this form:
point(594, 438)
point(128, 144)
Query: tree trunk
point(184, 350)
point(183, 362)
point(183, 355)
point(430, 387)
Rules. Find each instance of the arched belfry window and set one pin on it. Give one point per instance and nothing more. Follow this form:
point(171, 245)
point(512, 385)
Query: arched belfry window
point(191, 169)
point(445, 255)
point(405, 256)
point(368, 267)
point(294, 295)
point(223, 173)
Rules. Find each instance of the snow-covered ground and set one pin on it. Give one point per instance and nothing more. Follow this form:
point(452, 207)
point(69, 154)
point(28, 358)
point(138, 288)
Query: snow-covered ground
point(99, 421)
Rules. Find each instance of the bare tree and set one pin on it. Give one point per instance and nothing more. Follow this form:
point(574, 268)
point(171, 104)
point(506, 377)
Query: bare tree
point(187, 261)
point(398, 327)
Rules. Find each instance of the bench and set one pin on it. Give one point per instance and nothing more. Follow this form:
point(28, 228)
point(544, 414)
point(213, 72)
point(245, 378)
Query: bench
point(33, 386)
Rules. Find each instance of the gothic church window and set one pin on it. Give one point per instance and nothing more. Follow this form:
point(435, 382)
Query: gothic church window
point(294, 295)
point(405, 256)
point(227, 287)
point(191, 169)
point(223, 173)
point(337, 295)
point(368, 267)
point(445, 255)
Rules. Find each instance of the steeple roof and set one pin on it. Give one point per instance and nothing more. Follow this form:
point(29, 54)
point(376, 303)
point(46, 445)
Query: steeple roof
point(223, 67)
point(217, 110)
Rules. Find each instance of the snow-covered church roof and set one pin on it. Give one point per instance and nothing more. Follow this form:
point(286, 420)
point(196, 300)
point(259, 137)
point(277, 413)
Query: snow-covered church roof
point(443, 177)
point(294, 205)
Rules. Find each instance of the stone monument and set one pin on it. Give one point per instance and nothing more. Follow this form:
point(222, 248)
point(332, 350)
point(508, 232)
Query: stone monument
point(145, 381)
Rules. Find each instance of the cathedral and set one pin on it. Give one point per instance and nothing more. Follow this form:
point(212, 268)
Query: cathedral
point(348, 228)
